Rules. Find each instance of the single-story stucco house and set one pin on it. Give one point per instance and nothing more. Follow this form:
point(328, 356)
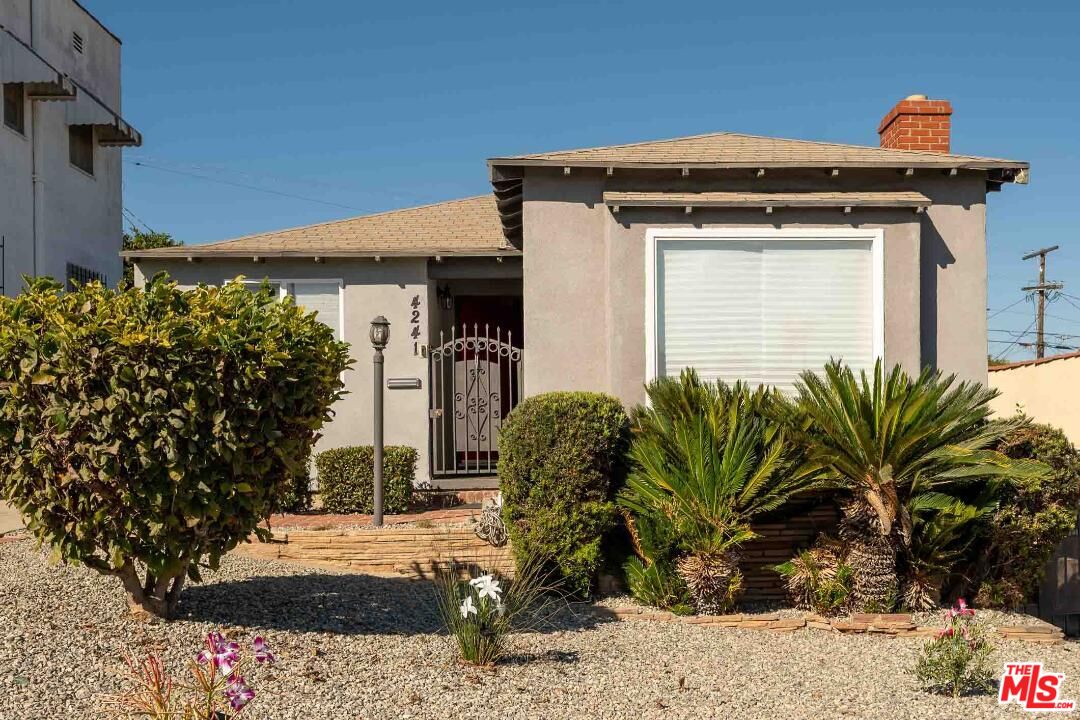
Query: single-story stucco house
point(598, 269)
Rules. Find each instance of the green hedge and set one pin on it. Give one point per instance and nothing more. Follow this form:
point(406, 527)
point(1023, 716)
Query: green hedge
point(1032, 519)
point(562, 459)
point(347, 478)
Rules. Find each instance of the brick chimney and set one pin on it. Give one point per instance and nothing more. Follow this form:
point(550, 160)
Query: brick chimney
point(917, 123)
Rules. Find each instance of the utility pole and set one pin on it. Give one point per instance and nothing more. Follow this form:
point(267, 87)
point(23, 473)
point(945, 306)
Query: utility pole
point(1041, 288)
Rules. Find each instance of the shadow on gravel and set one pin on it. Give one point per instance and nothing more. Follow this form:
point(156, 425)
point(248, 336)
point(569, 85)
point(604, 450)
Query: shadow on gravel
point(341, 604)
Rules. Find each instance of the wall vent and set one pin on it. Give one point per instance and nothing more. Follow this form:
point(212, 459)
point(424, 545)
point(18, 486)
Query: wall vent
point(77, 42)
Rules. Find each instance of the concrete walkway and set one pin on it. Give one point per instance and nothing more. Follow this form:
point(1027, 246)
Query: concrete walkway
point(9, 520)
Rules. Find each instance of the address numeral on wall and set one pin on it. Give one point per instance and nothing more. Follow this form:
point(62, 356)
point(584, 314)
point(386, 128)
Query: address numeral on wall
point(414, 333)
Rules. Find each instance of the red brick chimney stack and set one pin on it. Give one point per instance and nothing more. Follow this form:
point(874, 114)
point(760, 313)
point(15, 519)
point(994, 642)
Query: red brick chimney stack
point(917, 123)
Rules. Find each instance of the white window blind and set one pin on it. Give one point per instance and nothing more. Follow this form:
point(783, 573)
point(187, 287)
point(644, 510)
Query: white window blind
point(763, 310)
point(321, 298)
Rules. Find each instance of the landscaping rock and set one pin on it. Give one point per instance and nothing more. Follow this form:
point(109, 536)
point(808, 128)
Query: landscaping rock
point(358, 647)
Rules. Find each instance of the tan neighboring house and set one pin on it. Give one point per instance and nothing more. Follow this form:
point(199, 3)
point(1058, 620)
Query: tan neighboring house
point(1047, 390)
point(745, 257)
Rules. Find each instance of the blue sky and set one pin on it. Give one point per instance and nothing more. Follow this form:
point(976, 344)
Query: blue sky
point(367, 106)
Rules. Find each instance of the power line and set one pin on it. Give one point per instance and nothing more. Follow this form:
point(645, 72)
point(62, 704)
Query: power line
point(1003, 352)
point(254, 188)
point(991, 317)
point(134, 220)
point(1013, 333)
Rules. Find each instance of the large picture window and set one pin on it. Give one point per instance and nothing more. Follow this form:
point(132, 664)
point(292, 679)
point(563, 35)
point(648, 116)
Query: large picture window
point(762, 306)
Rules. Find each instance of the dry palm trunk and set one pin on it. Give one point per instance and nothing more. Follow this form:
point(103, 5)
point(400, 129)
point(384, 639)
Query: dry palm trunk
point(713, 579)
point(872, 557)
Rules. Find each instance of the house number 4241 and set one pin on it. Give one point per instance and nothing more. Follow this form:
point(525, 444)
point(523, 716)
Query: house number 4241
point(414, 324)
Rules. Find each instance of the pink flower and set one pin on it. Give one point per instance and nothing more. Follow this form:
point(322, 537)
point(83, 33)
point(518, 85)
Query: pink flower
point(238, 693)
point(222, 653)
point(262, 651)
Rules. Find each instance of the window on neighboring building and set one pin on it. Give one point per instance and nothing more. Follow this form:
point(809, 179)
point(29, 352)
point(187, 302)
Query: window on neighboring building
point(77, 43)
point(77, 274)
point(763, 306)
point(81, 147)
point(15, 107)
point(322, 297)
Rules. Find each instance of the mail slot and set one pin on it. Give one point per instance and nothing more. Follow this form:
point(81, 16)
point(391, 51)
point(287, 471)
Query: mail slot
point(403, 383)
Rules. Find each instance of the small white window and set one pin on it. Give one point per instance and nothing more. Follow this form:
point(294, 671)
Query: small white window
point(762, 306)
point(323, 297)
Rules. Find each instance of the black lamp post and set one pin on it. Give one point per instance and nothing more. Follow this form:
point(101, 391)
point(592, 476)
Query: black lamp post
point(380, 336)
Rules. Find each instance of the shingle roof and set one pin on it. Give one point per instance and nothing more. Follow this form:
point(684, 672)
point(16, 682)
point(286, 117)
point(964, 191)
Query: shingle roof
point(900, 198)
point(457, 227)
point(726, 149)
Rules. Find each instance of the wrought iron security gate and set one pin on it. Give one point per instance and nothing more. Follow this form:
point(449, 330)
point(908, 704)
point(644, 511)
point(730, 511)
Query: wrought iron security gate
point(475, 380)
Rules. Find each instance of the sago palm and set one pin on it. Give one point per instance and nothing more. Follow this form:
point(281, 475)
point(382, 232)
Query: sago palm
point(888, 438)
point(942, 530)
point(706, 460)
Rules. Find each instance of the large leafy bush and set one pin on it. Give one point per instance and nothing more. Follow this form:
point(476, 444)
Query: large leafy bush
point(1033, 516)
point(706, 459)
point(146, 432)
point(906, 449)
point(347, 478)
point(561, 461)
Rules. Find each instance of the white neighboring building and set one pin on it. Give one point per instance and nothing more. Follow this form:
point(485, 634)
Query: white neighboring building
point(60, 138)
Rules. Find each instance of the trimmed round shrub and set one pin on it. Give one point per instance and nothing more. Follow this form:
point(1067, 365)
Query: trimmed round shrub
point(347, 478)
point(146, 432)
point(1033, 517)
point(562, 459)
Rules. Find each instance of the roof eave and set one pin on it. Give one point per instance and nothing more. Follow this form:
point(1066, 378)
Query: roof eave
point(899, 164)
point(194, 252)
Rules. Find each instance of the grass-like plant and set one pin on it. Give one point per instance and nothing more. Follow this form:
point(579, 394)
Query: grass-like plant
point(480, 610)
point(958, 660)
point(218, 689)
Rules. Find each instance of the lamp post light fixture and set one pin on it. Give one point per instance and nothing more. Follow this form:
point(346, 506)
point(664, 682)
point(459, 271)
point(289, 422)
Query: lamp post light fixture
point(380, 336)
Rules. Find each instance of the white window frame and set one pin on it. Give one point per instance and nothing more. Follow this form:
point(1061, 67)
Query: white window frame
point(283, 292)
point(655, 236)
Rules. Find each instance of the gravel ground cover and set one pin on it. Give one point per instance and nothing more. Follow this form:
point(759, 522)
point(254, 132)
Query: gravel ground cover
point(359, 647)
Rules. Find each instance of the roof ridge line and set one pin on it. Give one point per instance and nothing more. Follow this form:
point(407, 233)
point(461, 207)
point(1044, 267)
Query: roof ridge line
point(326, 223)
point(618, 145)
point(829, 143)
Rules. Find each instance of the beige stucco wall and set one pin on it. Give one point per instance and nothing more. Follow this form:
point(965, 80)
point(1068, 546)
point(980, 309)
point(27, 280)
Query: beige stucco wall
point(584, 278)
point(79, 216)
point(1046, 391)
point(371, 289)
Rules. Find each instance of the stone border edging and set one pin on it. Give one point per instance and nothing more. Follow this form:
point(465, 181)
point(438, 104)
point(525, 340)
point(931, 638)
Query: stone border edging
point(894, 625)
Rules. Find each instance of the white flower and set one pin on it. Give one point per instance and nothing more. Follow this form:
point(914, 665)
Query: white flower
point(488, 587)
point(467, 607)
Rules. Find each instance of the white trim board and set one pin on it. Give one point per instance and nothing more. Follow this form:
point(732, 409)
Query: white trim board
point(653, 236)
